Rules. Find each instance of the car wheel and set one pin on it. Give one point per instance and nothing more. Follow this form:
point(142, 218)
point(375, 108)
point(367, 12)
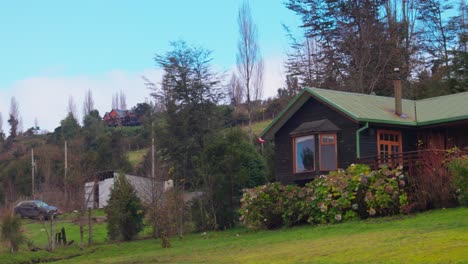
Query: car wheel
point(18, 215)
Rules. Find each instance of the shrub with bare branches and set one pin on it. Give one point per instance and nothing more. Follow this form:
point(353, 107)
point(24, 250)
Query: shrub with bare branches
point(11, 230)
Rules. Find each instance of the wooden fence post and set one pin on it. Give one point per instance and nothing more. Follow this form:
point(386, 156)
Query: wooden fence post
point(90, 228)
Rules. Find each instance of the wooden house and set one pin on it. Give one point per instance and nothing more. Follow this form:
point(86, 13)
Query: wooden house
point(117, 117)
point(323, 130)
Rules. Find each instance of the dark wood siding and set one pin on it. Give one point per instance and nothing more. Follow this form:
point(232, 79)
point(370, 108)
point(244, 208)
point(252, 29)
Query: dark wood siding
point(457, 136)
point(313, 110)
point(446, 136)
point(368, 139)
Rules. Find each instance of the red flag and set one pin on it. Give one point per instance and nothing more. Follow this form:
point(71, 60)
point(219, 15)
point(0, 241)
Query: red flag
point(261, 141)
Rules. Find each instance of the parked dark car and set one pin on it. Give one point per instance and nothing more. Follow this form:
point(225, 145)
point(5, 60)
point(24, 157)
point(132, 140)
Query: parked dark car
point(35, 209)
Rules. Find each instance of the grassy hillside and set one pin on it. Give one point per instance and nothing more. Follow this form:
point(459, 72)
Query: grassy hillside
point(433, 237)
point(258, 127)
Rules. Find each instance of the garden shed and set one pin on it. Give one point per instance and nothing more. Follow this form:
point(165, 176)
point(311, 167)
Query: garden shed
point(98, 188)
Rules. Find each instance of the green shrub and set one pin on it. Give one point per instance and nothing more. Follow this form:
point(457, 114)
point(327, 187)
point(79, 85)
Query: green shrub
point(11, 231)
point(358, 170)
point(124, 211)
point(293, 204)
point(331, 198)
point(459, 169)
point(228, 164)
point(263, 207)
point(337, 197)
point(385, 193)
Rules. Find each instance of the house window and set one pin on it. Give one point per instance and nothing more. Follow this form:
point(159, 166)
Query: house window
point(389, 147)
point(304, 154)
point(327, 153)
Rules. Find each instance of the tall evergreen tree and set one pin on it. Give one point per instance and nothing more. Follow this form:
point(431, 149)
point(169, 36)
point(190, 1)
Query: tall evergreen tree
point(189, 92)
point(124, 211)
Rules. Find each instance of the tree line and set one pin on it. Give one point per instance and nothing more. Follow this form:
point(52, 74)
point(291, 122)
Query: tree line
point(355, 45)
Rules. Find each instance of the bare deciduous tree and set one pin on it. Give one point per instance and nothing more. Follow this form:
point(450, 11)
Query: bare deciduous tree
point(13, 120)
point(248, 58)
point(71, 107)
point(258, 81)
point(436, 33)
point(115, 101)
point(14, 108)
point(88, 104)
point(235, 91)
point(2, 135)
point(123, 101)
point(400, 22)
point(303, 64)
point(20, 126)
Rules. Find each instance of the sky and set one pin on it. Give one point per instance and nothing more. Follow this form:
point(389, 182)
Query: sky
point(51, 50)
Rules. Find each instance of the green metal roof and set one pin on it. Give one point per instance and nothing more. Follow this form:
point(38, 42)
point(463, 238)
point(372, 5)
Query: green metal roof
point(379, 109)
point(442, 109)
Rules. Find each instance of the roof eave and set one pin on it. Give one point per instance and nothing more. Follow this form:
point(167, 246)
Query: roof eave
point(443, 120)
point(388, 122)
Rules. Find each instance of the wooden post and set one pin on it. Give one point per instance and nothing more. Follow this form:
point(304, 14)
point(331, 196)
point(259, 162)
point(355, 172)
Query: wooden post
point(32, 174)
point(64, 236)
point(81, 230)
point(90, 228)
point(65, 176)
point(52, 241)
point(152, 151)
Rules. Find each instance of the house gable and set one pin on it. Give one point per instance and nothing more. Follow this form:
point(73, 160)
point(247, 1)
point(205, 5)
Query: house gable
point(313, 111)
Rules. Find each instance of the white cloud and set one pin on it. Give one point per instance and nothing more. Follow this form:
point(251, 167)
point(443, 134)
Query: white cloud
point(47, 97)
point(274, 77)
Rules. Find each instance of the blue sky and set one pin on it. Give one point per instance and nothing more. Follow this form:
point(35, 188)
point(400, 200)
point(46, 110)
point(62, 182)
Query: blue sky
point(51, 50)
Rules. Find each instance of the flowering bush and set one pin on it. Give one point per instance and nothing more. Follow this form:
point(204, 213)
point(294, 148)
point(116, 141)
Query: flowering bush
point(272, 205)
point(385, 194)
point(358, 169)
point(293, 202)
point(332, 198)
point(262, 207)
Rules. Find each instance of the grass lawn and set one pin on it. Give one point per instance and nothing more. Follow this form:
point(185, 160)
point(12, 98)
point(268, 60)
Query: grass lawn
point(439, 236)
point(136, 157)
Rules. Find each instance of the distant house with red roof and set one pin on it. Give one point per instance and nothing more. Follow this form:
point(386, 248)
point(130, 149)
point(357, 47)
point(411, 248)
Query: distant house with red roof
point(118, 117)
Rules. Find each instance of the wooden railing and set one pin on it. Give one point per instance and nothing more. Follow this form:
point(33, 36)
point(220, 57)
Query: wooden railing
point(394, 160)
point(408, 160)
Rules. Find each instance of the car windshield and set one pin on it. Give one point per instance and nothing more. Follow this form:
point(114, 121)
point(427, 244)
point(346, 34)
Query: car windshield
point(40, 203)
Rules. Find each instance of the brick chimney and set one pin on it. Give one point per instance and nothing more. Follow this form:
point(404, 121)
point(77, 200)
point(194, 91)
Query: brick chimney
point(397, 91)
